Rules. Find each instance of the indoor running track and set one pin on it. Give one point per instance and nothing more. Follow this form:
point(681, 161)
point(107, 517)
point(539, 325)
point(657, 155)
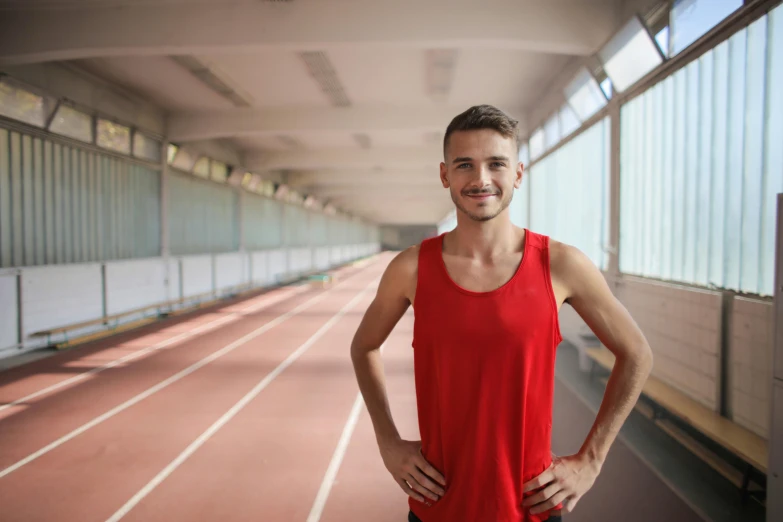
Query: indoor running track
point(247, 411)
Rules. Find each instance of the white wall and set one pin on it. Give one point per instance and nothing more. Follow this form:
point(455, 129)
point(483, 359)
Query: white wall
point(54, 296)
point(260, 267)
point(9, 312)
point(322, 258)
point(751, 352)
point(61, 295)
point(229, 270)
point(683, 327)
point(196, 275)
point(134, 284)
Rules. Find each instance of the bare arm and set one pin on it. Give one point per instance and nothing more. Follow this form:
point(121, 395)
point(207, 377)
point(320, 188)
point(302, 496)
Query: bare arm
point(402, 458)
point(593, 300)
point(379, 320)
point(577, 281)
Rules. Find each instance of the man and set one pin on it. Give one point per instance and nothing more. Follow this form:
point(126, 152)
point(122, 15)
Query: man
point(486, 298)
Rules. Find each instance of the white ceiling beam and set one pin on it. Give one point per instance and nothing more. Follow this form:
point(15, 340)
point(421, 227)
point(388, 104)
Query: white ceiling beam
point(360, 178)
point(30, 35)
point(379, 160)
point(402, 191)
point(276, 121)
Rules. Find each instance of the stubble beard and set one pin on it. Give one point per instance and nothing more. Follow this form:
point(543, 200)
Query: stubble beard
point(504, 203)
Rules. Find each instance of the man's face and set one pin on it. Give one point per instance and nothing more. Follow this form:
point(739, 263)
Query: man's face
point(481, 171)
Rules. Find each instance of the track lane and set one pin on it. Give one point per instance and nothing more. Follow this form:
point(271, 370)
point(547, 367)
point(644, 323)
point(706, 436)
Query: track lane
point(268, 462)
point(57, 415)
point(136, 443)
point(32, 382)
point(363, 488)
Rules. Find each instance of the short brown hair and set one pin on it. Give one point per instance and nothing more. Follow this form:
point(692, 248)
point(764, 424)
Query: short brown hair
point(483, 117)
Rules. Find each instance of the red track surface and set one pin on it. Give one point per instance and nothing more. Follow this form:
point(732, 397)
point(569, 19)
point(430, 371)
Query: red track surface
point(243, 412)
point(98, 443)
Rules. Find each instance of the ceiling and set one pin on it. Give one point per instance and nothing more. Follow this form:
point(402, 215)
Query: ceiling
point(344, 99)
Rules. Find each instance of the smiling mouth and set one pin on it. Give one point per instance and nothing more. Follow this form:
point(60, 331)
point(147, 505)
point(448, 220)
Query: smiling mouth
point(481, 197)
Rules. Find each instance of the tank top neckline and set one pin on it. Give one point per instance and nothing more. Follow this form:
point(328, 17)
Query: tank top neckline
point(444, 270)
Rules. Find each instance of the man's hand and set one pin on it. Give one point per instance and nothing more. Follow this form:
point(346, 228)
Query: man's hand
point(565, 481)
point(411, 471)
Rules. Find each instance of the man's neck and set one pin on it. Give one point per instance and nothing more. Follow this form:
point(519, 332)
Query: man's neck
point(484, 239)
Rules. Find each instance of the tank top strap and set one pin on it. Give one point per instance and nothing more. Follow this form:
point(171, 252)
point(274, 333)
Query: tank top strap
point(429, 274)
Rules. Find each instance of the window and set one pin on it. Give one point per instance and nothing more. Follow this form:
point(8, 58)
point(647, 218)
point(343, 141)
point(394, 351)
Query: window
point(569, 193)
point(630, 55)
point(171, 153)
point(524, 154)
point(584, 95)
point(72, 123)
point(691, 19)
point(183, 160)
point(552, 131)
point(219, 171)
point(19, 104)
point(113, 136)
point(537, 147)
point(568, 120)
point(201, 168)
point(246, 180)
point(146, 147)
point(700, 166)
point(662, 39)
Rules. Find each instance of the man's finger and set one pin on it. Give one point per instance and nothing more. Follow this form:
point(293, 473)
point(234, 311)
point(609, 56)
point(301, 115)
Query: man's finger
point(430, 470)
point(407, 489)
point(542, 495)
point(542, 480)
point(425, 481)
point(415, 484)
point(549, 504)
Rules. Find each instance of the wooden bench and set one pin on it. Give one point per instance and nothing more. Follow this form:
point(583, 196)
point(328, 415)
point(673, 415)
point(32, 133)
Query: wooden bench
point(669, 402)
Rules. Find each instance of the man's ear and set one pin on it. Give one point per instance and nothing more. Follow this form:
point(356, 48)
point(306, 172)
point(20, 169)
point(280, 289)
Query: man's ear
point(520, 173)
point(444, 175)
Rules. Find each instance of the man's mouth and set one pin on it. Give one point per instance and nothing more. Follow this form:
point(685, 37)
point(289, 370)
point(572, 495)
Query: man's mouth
point(482, 196)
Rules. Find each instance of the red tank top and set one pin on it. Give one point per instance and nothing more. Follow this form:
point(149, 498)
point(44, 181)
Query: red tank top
point(484, 370)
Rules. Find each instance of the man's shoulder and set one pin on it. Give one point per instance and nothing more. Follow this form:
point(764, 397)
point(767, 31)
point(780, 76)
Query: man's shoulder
point(406, 262)
point(568, 261)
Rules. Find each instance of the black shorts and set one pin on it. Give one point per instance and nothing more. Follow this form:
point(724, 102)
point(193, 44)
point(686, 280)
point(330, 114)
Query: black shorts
point(414, 518)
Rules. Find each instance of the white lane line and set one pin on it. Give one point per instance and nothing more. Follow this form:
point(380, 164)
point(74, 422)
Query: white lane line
point(135, 355)
point(337, 459)
point(171, 380)
point(222, 421)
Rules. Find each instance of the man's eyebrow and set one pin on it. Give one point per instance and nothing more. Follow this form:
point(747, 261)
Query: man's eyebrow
point(460, 160)
point(491, 158)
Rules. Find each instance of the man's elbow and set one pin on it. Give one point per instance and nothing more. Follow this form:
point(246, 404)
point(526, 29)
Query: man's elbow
point(639, 356)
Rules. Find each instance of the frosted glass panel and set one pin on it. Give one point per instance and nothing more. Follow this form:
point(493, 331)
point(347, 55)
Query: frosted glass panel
point(585, 95)
point(569, 198)
point(701, 163)
point(630, 55)
point(690, 19)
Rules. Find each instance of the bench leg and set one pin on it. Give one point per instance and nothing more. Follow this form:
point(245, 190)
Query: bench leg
point(746, 483)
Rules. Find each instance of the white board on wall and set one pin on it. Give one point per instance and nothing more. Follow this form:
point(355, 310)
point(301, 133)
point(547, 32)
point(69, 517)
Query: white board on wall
point(322, 258)
point(55, 296)
point(259, 262)
point(196, 275)
point(134, 284)
point(229, 270)
point(173, 287)
point(278, 264)
point(9, 311)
